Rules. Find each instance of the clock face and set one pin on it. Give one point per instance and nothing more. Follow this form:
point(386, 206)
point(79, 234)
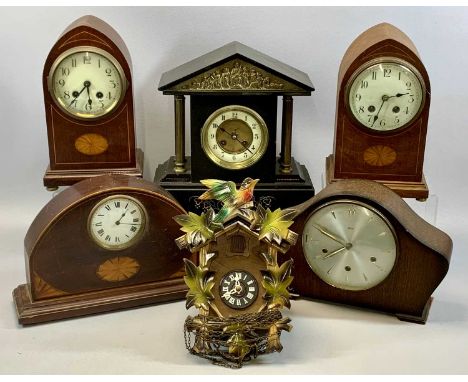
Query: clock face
point(117, 222)
point(386, 95)
point(349, 245)
point(238, 289)
point(86, 82)
point(234, 137)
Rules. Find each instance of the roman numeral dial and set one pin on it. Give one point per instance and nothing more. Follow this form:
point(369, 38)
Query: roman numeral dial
point(238, 289)
point(349, 245)
point(117, 222)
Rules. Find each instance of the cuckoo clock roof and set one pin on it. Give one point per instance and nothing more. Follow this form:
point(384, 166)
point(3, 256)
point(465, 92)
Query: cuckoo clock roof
point(262, 74)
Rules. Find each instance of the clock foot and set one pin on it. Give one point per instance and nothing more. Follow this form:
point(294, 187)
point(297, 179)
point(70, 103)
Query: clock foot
point(285, 191)
point(414, 190)
point(417, 319)
point(54, 178)
point(31, 311)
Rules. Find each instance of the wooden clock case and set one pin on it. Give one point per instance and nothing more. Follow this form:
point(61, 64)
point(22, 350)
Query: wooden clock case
point(208, 82)
point(405, 174)
point(422, 262)
point(68, 165)
point(62, 261)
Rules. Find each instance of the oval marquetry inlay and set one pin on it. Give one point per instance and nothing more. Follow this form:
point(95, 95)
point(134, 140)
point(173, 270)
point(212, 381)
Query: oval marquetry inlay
point(118, 269)
point(91, 144)
point(379, 155)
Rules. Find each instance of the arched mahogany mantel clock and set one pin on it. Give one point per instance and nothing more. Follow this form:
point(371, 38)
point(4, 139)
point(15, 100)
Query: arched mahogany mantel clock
point(234, 94)
point(87, 82)
point(382, 113)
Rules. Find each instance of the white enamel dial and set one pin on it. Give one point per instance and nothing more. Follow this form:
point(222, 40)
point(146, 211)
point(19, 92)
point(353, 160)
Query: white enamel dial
point(234, 137)
point(386, 95)
point(238, 289)
point(349, 245)
point(117, 222)
point(86, 82)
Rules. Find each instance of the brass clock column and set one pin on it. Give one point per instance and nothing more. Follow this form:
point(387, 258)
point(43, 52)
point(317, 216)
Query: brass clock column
point(234, 94)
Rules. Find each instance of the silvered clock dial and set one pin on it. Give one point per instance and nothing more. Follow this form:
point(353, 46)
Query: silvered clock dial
point(349, 245)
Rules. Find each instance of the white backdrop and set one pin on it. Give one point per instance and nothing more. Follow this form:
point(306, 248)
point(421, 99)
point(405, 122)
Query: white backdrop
point(312, 39)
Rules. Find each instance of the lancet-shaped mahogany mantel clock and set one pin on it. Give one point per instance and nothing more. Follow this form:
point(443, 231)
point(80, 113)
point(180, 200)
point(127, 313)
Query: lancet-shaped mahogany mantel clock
point(234, 93)
point(87, 82)
point(382, 113)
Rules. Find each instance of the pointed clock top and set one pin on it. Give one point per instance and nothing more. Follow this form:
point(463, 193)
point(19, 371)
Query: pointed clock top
point(236, 54)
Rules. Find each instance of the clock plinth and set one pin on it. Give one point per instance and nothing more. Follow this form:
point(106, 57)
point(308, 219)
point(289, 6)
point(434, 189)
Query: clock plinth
point(30, 311)
point(416, 190)
point(285, 190)
point(55, 178)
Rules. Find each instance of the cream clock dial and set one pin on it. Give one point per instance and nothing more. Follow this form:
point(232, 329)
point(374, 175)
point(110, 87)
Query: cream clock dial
point(238, 289)
point(234, 137)
point(386, 95)
point(86, 82)
point(349, 245)
point(117, 222)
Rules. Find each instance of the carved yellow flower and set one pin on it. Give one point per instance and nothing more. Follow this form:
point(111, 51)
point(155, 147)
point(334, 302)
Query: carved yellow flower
point(118, 269)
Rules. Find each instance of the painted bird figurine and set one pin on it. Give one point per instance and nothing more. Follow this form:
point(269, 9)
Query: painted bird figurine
point(227, 193)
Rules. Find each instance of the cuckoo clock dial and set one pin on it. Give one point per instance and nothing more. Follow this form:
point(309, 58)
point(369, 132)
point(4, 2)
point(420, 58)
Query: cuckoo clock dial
point(362, 245)
point(238, 289)
point(382, 113)
point(88, 96)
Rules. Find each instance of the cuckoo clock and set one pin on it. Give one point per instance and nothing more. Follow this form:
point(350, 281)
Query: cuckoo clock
point(238, 284)
point(234, 94)
point(87, 82)
point(382, 113)
point(361, 244)
point(103, 244)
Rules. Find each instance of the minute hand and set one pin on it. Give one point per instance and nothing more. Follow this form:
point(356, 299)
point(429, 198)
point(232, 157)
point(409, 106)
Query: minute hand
point(331, 236)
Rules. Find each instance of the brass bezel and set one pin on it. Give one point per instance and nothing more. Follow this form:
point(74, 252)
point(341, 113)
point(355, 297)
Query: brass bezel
point(383, 60)
point(361, 204)
point(93, 49)
point(235, 165)
point(132, 241)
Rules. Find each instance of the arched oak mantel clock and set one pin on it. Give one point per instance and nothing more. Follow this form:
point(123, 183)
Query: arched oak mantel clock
point(382, 113)
point(87, 83)
point(234, 94)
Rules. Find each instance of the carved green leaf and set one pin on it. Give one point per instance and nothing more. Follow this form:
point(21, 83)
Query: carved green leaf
point(200, 282)
point(274, 331)
point(276, 281)
point(196, 227)
point(275, 225)
point(238, 346)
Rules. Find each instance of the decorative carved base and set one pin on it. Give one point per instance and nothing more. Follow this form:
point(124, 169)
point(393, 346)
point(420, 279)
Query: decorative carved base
point(56, 178)
point(287, 190)
point(34, 312)
point(416, 190)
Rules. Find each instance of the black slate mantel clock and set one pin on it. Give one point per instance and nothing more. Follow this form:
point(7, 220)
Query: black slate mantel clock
point(234, 94)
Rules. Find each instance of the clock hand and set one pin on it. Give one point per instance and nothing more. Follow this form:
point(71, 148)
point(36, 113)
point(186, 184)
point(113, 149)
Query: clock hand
point(90, 101)
point(86, 84)
point(332, 253)
point(234, 137)
point(331, 236)
point(376, 117)
point(130, 223)
point(398, 95)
